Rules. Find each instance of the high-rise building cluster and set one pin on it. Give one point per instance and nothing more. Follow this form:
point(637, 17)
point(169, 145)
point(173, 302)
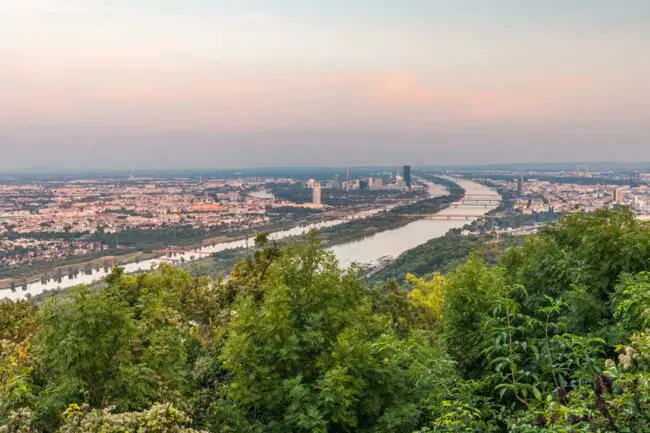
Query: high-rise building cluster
point(384, 181)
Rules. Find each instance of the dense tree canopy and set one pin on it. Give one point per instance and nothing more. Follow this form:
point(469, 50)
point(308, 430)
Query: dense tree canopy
point(553, 337)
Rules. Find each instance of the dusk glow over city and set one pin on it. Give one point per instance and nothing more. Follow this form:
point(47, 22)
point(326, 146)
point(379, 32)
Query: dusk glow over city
point(161, 84)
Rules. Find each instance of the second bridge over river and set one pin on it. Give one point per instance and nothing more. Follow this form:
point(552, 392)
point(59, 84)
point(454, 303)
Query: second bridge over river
point(468, 201)
point(449, 216)
point(478, 200)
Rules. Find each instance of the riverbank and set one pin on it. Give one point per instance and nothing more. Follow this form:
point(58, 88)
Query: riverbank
point(352, 232)
point(442, 254)
point(77, 265)
point(388, 245)
point(395, 218)
point(35, 284)
point(406, 214)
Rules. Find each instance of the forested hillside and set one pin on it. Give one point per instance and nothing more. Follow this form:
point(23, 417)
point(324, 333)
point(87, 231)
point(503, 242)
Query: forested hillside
point(553, 337)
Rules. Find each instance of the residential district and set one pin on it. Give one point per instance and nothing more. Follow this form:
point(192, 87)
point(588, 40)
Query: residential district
point(53, 220)
point(44, 221)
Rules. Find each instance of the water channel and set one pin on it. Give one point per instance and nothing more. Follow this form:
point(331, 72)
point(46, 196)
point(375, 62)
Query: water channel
point(392, 243)
point(369, 250)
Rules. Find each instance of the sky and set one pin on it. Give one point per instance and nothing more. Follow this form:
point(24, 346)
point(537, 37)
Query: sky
point(123, 84)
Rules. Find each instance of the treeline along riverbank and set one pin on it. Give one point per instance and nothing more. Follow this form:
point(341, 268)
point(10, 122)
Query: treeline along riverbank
point(442, 254)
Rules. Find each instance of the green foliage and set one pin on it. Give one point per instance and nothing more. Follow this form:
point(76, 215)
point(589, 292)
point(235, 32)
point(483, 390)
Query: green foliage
point(18, 421)
point(586, 253)
point(459, 417)
point(632, 300)
point(441, 254)
point(616, 400)
point(312, 356)
point(428, 293)
point(538, 326)
point(551, 337)
point(466, 305)
point(18, 322)
point(86, 349)
point(126, 346)
point(160, 418)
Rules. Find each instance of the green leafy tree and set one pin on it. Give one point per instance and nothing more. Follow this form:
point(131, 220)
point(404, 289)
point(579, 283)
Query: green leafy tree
point(312, 356)
point(85, 348)
point(160, 418)
point(467, 302)
point(632, 301)
point(126, 346)
point(18, 322)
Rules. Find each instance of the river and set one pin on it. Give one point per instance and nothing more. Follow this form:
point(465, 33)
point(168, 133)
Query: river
point(392, 243)
point(369, 250)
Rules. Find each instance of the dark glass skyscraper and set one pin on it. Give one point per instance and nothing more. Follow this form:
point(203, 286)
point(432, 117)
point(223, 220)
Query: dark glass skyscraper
point(406, 173)
point(363, 184)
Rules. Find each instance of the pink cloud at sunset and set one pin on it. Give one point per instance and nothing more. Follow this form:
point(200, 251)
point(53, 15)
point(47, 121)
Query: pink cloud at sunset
point(533, 97)
point(241, 101)
point(381, 75)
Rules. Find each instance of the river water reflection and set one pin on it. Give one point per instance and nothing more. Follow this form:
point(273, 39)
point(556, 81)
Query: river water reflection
point(366, 251)
point(392, 243)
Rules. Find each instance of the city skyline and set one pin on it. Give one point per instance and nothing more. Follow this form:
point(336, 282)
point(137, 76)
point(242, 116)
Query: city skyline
point(114, 85)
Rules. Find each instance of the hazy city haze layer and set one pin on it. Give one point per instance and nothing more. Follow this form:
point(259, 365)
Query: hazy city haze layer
point(160, 84)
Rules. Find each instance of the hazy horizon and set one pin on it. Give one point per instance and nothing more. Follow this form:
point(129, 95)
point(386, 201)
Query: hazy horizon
point(93, 84)
point(592, 166)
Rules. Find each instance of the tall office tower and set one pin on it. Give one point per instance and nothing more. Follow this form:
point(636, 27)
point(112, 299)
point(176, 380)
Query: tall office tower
point(618, 195)
point(520, 185)
point(406, 174)
point(316, 195)
point(363, 184)
point(337, 181)
point(347, 178)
